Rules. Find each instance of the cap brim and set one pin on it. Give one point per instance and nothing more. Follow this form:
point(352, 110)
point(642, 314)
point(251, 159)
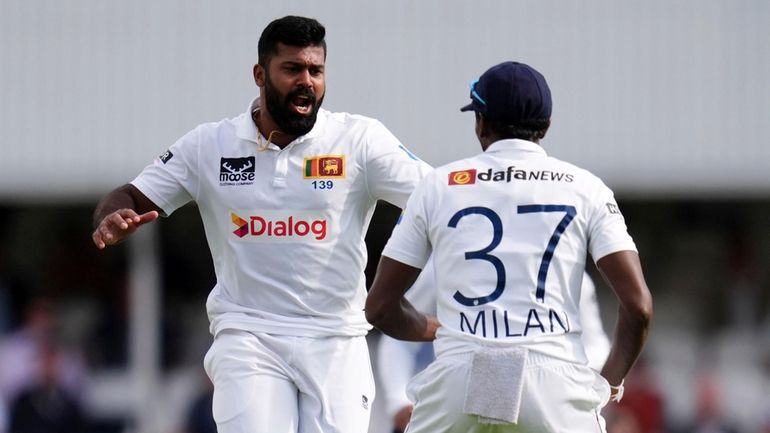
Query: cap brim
point(468, 107)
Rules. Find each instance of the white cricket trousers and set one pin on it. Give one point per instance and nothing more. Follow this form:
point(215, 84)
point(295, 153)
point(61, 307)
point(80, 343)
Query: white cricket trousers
point(286, 384)
point(557, 397)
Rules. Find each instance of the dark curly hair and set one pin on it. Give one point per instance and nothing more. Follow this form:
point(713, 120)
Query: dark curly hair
point(532, 130)
point(293, 31)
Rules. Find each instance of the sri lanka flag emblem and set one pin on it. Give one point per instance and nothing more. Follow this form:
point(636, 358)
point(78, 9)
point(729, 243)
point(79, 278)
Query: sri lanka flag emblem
point(324, 167)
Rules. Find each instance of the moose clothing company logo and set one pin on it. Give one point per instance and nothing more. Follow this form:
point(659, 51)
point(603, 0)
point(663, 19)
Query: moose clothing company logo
point(324, 167)
point(236, 171)
point(285, 226)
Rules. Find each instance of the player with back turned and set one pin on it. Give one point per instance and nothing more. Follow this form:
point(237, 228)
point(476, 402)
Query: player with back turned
point(286, 191)
point(509, 231)
point(399, 360)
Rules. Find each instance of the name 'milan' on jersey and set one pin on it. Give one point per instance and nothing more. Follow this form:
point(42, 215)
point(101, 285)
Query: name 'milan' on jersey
point(509, 230)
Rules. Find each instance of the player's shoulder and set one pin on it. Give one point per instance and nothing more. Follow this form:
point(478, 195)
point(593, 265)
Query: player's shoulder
point(366, 136)
point(580, 174)
point(459, 164)
point(213, 134)
point(345, 118)
point(454, 171)
point(226, 125)
point(215, 128)
point(345, 122)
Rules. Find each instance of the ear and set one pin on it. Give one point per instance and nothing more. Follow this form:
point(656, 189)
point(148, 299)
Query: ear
point(482, 133)
point(480, 125)
point(259, 75)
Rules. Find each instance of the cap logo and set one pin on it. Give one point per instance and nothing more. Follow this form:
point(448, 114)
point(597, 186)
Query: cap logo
point(474, 94)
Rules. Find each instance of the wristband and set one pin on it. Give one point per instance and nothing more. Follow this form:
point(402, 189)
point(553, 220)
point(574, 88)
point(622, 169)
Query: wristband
point(616, 392)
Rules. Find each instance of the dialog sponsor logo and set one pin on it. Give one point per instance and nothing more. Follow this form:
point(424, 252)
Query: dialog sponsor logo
point(280, 226)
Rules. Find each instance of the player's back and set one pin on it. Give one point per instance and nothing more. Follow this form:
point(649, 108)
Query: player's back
point(510, 233)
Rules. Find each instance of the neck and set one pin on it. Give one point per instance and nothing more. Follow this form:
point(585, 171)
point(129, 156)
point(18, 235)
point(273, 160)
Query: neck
point(486, 141)
point(269, 130)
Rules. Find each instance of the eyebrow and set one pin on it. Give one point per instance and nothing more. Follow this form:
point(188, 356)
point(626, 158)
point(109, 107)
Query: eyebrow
point(302, 64)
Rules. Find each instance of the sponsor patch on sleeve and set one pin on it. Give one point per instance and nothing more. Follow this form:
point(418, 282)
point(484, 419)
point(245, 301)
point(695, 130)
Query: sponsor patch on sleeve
point(166, 156)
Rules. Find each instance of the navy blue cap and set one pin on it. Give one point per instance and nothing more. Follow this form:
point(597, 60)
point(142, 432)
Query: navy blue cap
point(510, 93)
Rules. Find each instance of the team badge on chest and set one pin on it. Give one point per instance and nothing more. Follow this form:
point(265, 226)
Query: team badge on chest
point(324, 167)
point(236, 171)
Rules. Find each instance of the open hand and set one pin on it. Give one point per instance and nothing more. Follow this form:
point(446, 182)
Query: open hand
point(118, 225)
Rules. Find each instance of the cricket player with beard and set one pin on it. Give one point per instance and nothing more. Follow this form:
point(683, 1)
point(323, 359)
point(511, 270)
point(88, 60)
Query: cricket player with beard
point(509, 231)
point(286, 191)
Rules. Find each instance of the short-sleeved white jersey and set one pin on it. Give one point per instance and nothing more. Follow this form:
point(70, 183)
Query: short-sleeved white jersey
point(509, 230)
point(286, 226)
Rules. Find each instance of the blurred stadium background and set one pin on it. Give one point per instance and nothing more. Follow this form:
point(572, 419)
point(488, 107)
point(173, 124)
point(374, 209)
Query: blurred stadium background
point(669, 102)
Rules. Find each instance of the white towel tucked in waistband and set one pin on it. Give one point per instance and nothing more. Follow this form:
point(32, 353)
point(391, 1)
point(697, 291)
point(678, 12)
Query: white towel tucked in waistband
point(493, 391)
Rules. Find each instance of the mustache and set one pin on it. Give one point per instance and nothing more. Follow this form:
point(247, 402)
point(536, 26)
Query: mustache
point(302, 91)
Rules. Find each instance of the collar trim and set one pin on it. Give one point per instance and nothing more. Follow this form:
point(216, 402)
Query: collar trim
point(247, 128)
point(516, 144)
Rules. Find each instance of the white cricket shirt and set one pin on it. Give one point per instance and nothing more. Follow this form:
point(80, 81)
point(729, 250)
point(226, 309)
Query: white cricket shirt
point(509, 230)
point(286, 226)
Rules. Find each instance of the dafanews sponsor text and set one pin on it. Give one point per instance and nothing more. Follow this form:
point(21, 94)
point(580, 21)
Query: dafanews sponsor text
point(471, 175)
point(280, 226)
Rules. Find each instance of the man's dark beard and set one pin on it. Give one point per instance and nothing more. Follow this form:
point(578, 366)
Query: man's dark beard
point(287, 120)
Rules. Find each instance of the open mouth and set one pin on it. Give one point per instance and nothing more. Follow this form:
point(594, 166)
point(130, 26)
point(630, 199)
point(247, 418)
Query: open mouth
point(302, 105)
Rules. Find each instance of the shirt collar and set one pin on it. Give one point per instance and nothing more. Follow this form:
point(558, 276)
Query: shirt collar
point(247, 129)
point(515, 144)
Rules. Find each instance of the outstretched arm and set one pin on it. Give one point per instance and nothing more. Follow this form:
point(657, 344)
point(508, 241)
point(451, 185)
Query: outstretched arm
point(623, 272)
point(389, 311)
point(120, 213)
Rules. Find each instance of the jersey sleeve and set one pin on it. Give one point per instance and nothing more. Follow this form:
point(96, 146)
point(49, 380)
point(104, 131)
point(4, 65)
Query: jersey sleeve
point(171, 180)
point(392, 171)
point(607, 231)
point(409, 243)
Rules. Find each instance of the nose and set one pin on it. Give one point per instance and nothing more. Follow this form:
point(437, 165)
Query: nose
point(304, 79)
